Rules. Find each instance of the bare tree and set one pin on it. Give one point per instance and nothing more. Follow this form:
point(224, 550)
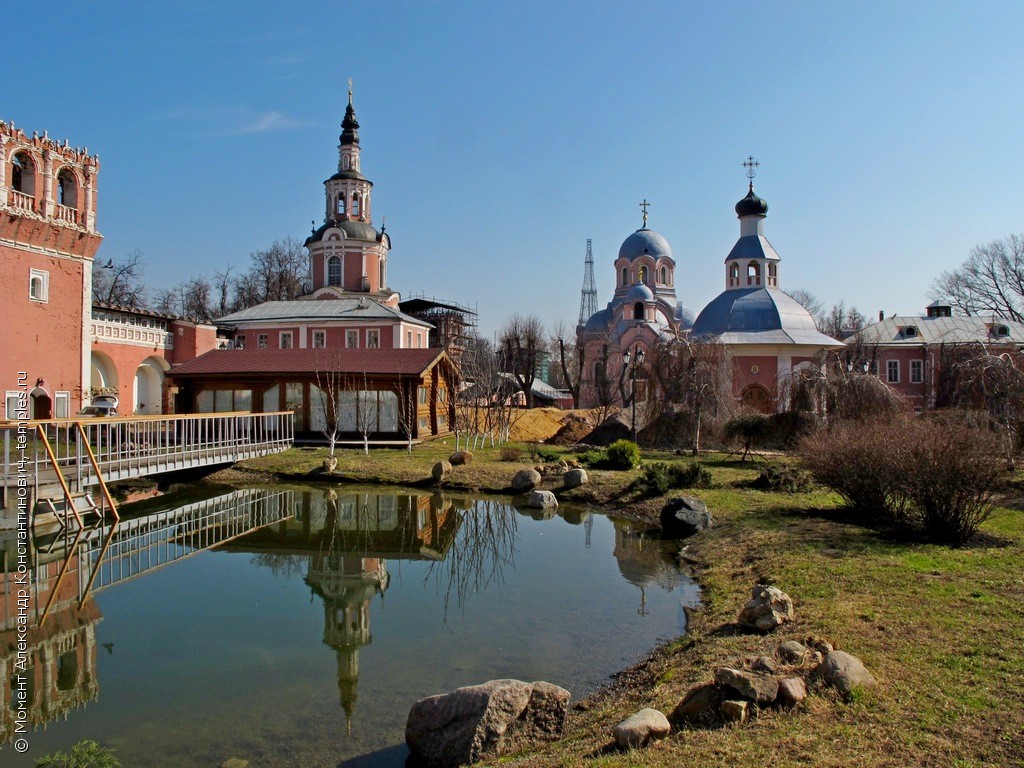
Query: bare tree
point(572, 359)
point(811, 303)
point(120, 283)
point(691, 378)
point(974, 376)
point(222, 283)
point(842, 387)
point(520, 347)
point(408, 412)
point(329, 384)
point(841, 323)
point(990, 281)
point(279, 271)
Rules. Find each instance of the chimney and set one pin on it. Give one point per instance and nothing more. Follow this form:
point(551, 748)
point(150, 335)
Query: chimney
point(881, 315)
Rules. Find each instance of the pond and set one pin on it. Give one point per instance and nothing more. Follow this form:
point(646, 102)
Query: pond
point(295, 627)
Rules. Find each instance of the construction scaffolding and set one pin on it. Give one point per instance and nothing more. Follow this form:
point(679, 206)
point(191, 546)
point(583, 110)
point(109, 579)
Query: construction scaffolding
point(453, 324)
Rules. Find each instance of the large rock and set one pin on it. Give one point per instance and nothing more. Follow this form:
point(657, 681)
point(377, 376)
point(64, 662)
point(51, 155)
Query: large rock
point(844, 672)
point(636, 730)
point(761, 689)
point(734, 711)
point(525, 480)
point(542, 500)
point(792, 691)
point(768, 609)
point(459, 458)
point(441, 471)
point(482, 721)
point(684, 517)
point(700, 705)
point(793, 652)
point(574, 478)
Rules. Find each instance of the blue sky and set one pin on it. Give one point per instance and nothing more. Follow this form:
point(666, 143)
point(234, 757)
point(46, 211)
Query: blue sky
point(500, 136)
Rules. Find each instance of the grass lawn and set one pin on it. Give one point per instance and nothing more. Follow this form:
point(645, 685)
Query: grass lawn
point(942, 629)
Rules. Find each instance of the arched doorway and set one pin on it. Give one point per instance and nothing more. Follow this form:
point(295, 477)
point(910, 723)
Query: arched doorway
point(104, 374)
point(755, 398)
point(148, 387)
point(41, 404)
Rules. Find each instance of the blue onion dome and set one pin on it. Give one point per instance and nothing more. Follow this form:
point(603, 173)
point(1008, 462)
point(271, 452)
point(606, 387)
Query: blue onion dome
point(640, 292)
point(645, 241)
point(751, 205)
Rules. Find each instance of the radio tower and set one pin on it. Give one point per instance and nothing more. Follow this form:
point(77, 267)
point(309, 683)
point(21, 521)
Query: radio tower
point(588, 297)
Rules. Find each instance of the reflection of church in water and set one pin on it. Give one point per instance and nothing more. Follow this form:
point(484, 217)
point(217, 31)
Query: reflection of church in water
point(350, 538)
point(61, 670)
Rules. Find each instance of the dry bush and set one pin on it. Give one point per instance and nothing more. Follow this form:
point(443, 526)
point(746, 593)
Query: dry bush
point(938, 474)
point(861, 462)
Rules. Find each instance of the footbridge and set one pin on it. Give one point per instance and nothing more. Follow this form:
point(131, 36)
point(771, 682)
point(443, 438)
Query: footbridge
point(63, 466)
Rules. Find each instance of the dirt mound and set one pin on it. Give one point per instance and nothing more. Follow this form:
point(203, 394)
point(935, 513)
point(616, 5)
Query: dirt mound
point(536, 425)
point(613, 428)
point(576, 425)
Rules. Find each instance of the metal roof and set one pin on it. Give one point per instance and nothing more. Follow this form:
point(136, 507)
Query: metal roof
point(307, 310)
point(753, 247)
point(645, 241)
point(942, 330)
point(759, 316)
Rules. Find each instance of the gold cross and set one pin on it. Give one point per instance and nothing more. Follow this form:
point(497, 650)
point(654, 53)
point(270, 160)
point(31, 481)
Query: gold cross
point(644, 205)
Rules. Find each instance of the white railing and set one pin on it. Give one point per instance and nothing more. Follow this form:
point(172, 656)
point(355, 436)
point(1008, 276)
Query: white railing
point(23, 201)
point(137, 446)
point(134, 335)
point(65, 213)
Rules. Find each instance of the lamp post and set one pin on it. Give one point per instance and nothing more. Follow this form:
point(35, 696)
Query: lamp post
point(637, 359)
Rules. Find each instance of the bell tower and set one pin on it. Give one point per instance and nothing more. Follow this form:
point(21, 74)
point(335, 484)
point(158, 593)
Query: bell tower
point(346, 254)
point(752, 263)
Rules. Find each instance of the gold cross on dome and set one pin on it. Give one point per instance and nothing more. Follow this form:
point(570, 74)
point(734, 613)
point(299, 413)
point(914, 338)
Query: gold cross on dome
point(350, 90)
point(644, 206)
point(751, 165)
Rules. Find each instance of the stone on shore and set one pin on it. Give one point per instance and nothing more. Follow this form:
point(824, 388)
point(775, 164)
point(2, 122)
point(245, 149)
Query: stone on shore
point(441, 471)
point(761, 689)
point(459, 458)
point(574, 478)
point(793, 652)
point(684, 517)
point(792, 691)
point(844, 672)
point(734, 711)
point(768, 609)
point(541, 500)
point(700, 705)
point(525, 480)
point(638, 729)
point(482, 721)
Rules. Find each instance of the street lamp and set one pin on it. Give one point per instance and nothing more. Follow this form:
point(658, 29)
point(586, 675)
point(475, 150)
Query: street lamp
point(637, 359)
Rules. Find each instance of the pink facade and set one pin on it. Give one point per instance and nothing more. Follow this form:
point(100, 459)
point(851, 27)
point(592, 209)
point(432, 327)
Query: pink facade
point(48, 239)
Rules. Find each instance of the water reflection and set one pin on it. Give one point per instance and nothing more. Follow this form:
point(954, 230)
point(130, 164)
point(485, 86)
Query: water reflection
point(345, 547)
point(65, 573)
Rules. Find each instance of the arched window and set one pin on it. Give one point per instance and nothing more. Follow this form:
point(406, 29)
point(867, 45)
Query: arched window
point(67, 188)
point(624, 277)
point(643, 274)
point(341, 203)
point(355, 204)
point(382, 281)
point(664, 275)
point(344, 162)
point(23, 174)
point(753, 273)
point(638, 311)
point(334, 271)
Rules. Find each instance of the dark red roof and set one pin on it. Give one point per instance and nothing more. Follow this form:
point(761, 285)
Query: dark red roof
point(272, 361)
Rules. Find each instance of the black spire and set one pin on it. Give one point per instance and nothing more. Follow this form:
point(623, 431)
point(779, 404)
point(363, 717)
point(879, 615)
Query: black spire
point(350, 126)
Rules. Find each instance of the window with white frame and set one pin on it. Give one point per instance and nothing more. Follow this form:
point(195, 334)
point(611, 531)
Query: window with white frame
point(240, 341)
point(419, 340)
point(352, 339)
point(892, 371)
point(319, 339)
point(39, 285)
point(373, 339)
point(408, 339)
point(12, 398)
point(261, 340)
point(286, 340)
point(916, 371)
point(61, 405)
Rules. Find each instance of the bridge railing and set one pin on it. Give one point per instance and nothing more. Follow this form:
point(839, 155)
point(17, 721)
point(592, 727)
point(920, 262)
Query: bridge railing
point(135, 446)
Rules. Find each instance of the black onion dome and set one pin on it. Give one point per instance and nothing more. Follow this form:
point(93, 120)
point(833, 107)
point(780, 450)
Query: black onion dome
point(751, 205)
point(354, 230)
point(350, 126)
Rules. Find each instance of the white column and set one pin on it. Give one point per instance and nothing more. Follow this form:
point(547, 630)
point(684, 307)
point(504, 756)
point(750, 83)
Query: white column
point(89, 218)
point(48, 206)
point(86, 382)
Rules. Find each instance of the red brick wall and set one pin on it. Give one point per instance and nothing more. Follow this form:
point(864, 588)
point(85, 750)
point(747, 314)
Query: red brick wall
point(44, 339)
